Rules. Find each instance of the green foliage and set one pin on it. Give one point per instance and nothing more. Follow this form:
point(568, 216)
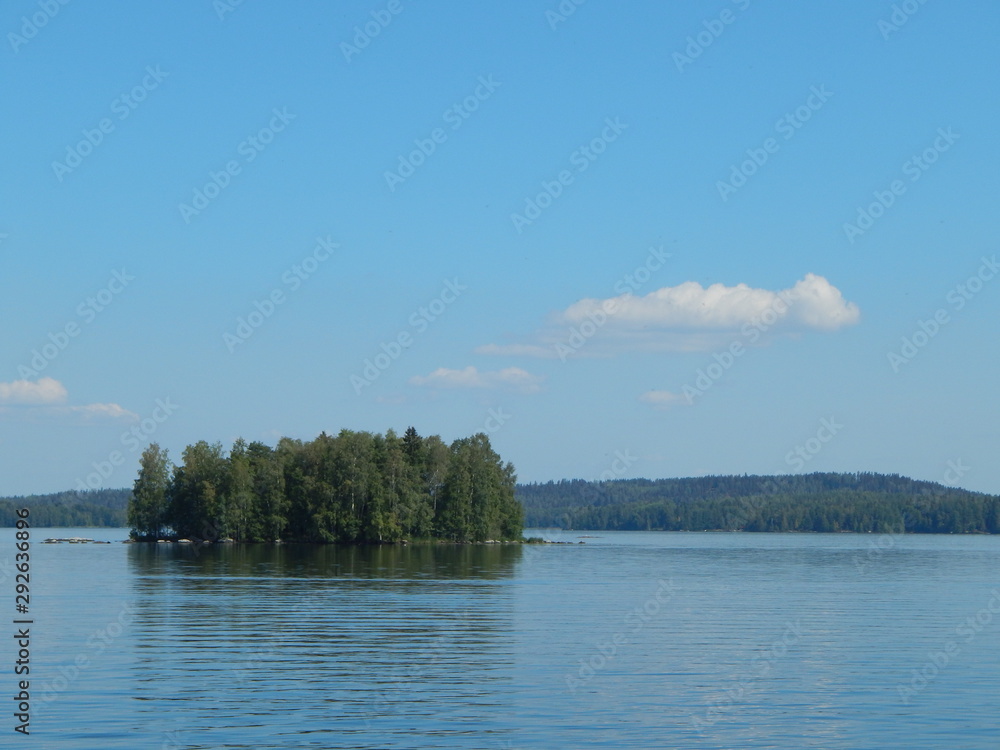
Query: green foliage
point(805, 502)
point(355, 487)
point(86, 508)
point(362, 487)
point(147, 510)
point(199, 507)
point(477, 497)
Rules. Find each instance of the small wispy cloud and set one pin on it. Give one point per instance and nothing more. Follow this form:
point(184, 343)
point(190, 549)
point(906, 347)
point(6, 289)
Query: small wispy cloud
point(512, 378)
point(103, 411)
point(663, 399)
point(47, 397)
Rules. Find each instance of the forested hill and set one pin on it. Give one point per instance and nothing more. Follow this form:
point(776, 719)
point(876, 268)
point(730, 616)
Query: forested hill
point(802, 502)
point(70, 508)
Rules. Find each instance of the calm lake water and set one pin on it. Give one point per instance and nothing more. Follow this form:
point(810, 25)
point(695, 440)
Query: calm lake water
point(631, 640)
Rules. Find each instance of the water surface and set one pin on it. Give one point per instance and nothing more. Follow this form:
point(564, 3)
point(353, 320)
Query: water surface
point(633, 639)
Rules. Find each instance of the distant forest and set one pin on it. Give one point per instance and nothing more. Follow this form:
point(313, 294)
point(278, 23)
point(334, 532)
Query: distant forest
point(357, 487)
point(807, 502)
point(803, 502)
point(70, 508)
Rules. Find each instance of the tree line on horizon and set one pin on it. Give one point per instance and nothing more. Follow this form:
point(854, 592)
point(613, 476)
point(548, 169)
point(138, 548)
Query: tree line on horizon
point(356, 487)
point(860, 502)
point(96, 508)
point(822, 502)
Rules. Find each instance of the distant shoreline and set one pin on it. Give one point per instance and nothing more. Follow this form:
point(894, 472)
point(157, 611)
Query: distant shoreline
point(859, 503)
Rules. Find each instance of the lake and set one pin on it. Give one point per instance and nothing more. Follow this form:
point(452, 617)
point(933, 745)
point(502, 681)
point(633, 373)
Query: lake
point(630, 640)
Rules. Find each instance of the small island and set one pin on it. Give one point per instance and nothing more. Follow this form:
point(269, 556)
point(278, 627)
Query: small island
point(355, 488)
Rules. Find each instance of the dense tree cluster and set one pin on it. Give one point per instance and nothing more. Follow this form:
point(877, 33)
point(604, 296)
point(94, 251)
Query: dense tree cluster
point(355, 487)
point(807, 502)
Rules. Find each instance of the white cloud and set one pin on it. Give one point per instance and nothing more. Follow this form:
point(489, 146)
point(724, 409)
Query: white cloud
point(44, 391)
point(813, 303)
point(103, 411)
point(663, 399)
point(47, 397)
point(686, 317)
point(510, 377)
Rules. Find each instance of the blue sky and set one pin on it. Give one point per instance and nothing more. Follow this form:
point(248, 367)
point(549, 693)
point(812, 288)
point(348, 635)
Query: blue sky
point(627, 240)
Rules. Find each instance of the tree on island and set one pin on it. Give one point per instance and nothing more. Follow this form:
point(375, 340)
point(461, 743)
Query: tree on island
point(147, 510)
point(357, 487)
